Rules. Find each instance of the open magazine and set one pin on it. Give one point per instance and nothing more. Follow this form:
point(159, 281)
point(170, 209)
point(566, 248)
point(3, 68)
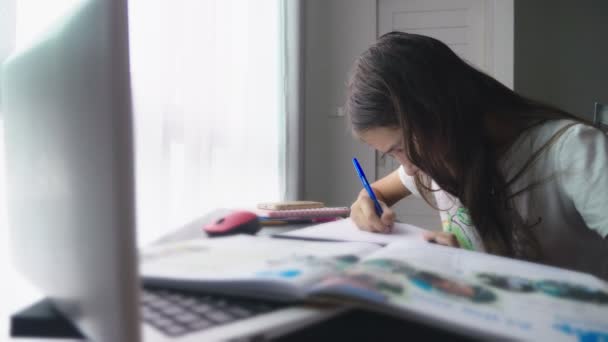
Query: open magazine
point(483, 295)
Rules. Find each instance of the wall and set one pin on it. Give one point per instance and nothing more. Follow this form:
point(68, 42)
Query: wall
point(560, 57)
point(336, 32)
point(561, 52)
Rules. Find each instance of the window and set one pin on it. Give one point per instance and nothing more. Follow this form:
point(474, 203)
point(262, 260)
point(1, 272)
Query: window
point(209, 104)
point(206, 81)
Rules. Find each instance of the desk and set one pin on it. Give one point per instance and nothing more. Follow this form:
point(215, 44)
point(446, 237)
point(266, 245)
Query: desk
point(357, 325)
point(193, 230)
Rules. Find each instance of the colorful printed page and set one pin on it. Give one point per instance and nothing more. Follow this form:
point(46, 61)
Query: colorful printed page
point(476, 293)
point(246, 265)
point(346, 230)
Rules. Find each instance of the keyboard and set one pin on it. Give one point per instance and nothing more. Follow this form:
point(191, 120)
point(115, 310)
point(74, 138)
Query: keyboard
point(176, 313)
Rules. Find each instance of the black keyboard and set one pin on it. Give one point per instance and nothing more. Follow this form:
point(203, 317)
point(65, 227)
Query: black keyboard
point(176, 313)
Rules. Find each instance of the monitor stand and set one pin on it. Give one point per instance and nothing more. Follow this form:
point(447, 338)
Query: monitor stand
point(42, 320)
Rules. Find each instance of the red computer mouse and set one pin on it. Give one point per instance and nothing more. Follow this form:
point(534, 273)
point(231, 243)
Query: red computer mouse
point(236, 222)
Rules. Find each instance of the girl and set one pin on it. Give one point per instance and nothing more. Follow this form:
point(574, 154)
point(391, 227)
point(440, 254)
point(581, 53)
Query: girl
point(510, 176)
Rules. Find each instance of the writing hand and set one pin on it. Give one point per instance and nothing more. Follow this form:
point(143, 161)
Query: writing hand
point(363, 213)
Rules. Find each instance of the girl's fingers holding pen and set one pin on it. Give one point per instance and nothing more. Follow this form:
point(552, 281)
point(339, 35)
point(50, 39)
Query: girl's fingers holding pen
point(378, 224)
point(364, 215)
point(374, 223)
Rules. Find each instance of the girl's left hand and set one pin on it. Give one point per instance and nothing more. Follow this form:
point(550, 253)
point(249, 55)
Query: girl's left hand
point(442, 238)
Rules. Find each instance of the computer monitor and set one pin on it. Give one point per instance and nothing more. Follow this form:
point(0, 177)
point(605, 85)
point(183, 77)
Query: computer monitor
point(70, 179)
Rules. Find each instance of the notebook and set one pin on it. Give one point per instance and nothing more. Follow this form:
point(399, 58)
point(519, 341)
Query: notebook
point(304, 213)
point(346, 230)
point(290, 205)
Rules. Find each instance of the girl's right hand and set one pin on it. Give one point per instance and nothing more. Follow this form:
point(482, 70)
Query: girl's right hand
point(363, 213)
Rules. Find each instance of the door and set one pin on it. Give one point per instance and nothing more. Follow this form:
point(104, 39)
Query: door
point(479, 31)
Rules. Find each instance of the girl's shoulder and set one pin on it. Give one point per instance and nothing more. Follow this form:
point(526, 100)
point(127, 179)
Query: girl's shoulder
point(551, 130)
point(580, 143)
point(552, 141)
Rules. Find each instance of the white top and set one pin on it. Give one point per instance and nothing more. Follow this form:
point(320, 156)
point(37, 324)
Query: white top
point(570, 203)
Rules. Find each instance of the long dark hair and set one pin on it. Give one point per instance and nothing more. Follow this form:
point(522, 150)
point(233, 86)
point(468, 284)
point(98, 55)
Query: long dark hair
point(440, 102)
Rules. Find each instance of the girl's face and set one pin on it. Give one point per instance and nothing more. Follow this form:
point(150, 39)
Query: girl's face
point(389, 141)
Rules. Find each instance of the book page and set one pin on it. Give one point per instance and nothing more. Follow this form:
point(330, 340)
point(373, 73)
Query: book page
point(468, 291)
point(346, 230)
point(247, 265)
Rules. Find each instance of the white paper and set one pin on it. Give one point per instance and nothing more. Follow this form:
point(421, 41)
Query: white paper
point(346, 230)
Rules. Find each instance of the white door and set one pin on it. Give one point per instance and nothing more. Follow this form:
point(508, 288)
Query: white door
point(458, 23)
point(479, 31)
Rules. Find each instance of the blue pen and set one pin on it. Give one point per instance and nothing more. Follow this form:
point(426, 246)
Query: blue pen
point(367, 187)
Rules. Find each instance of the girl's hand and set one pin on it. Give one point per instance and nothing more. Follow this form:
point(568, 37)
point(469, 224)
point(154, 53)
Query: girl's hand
point(363, 213)
point(442, 238)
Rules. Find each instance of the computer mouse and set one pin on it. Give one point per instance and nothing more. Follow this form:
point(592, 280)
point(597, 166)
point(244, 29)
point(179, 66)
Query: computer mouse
point(236, 222)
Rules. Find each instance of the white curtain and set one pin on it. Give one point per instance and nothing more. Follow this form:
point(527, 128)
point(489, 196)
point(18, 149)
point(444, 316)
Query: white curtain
point(207, 81)
point(209, 92)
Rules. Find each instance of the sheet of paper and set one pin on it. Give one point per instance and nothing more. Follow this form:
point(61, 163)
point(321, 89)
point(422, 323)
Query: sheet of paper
point(345, 230)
